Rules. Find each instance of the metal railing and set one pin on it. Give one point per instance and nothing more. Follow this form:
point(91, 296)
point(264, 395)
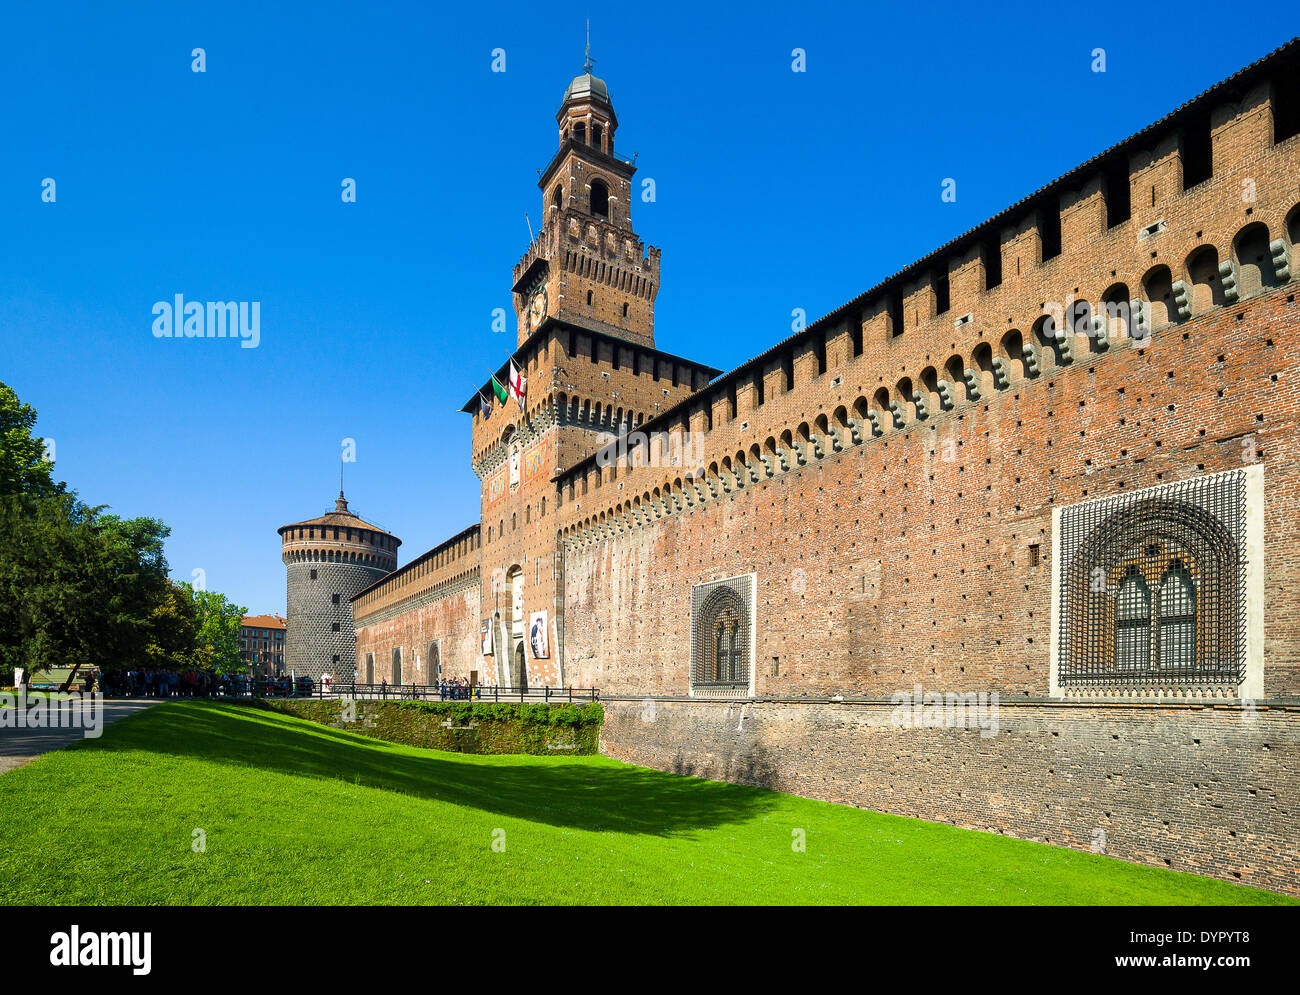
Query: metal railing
point(452, 692)
point(284, 687)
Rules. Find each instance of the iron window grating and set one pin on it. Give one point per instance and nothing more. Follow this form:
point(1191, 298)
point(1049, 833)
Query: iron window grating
point(1187, 542)
point(722, 607)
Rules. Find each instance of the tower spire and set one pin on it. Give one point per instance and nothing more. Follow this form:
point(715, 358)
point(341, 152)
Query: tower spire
point(587, 64)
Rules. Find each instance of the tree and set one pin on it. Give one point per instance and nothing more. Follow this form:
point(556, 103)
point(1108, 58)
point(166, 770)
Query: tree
point(87, 588)
point(174, 631)
point(219, 625)
point(77, 586)
point(23, 466)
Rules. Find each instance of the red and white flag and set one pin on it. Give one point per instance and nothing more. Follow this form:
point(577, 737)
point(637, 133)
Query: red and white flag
point(518, 384)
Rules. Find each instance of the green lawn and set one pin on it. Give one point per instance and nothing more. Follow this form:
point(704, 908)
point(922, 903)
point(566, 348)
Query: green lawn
point(298, 813)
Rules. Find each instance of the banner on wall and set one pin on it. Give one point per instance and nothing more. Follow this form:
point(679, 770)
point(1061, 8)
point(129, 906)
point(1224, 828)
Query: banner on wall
point(485, 636)
point(536, 460)
point(539, 636)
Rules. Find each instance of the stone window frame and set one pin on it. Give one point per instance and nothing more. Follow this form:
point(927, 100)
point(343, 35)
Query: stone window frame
point(706, 601)
point(1249, 619)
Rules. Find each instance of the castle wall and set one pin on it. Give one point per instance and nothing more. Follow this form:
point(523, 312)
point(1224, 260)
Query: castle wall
point(449, 620)
point(1207, 790)
point(887, 480)
point(895, 343)
point(433, 599)
point(908, 557)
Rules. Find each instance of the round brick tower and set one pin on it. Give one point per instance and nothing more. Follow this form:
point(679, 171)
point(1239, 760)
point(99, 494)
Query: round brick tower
point(329, 560)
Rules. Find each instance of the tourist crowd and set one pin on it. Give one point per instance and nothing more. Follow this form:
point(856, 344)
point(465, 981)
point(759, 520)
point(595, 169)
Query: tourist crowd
point(191, 684)
point(456, 690)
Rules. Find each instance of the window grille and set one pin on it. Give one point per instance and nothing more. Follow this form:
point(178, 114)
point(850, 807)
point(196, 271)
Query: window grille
point(722, 640)
point(1133, 624)
point(1152, 586)
point(1177, 620)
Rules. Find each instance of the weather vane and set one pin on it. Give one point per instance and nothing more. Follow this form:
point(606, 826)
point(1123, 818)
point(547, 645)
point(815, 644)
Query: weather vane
point(586, 66)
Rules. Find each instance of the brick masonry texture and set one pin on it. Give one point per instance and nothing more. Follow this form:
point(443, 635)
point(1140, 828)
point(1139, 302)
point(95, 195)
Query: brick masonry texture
point(432, 600)
point(889, 475)
point(1209, 790)
point(889, 563)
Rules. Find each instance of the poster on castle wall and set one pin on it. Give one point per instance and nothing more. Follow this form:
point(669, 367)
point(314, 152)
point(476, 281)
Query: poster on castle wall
point(539, 637)
point(535, 461)
point(496, 488)
point(485, 636)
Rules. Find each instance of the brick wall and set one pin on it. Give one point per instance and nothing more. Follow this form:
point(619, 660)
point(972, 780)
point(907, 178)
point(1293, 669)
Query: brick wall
point(434, 597)
point(907, 557)
point(452, 620)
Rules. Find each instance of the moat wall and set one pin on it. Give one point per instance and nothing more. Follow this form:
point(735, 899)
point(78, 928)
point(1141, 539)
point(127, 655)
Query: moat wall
point(1206, 789)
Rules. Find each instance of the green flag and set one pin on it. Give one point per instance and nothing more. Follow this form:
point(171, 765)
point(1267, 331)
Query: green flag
point(499, 390)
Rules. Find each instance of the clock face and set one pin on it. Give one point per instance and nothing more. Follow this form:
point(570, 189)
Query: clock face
point(536, 309)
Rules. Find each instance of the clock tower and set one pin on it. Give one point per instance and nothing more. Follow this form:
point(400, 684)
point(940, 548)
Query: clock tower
point(588, 372)
point(587, 265)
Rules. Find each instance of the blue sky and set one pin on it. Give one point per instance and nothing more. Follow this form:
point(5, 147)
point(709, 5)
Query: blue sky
point(775, 190)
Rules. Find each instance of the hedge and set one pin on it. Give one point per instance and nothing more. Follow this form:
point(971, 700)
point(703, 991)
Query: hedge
point(458, 726)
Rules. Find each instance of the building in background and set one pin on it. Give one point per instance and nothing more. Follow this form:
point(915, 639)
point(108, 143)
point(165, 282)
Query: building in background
point(261, 638)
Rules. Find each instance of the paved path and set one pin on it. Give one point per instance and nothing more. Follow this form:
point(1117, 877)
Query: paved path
point(22, 746)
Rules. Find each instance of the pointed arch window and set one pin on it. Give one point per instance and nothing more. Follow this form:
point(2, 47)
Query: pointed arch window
point(1153, 588)
point(722, 640)
point(1133, 623)
point(1177, 619)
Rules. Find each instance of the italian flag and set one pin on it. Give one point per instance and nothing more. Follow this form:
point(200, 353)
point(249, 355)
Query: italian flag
point(518, 385)
point(498, 390)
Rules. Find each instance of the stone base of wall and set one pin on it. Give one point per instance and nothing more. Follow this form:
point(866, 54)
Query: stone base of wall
point(1210, 790)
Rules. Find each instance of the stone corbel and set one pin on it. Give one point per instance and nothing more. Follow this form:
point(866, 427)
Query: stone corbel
point(1228, 279)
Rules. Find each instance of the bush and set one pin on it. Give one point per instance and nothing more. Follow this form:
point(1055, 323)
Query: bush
point(460, 726)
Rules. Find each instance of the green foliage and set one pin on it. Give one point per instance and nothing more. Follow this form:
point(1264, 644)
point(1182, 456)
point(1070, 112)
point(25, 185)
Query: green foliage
point(462, 726)
point(80, 587)
point(77, 587)
point(174, 631)
point(219, 623)
point(23, 466)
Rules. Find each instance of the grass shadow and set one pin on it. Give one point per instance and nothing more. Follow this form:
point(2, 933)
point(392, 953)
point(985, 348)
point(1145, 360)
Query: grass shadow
point(589, 793)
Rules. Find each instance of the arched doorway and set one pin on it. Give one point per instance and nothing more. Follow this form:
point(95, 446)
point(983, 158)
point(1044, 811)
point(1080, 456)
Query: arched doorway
point(517, 629)
point(518, 672)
